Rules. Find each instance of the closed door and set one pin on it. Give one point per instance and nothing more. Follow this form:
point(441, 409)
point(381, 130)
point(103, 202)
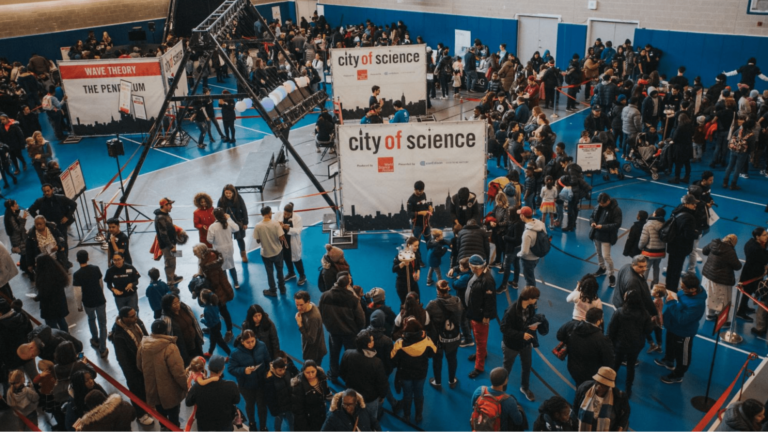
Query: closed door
point(305, 9)
point(536, 34)
point(616, 32)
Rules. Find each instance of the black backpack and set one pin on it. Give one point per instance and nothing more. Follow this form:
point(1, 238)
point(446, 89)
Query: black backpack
point(321, 281)
point(669, 231)
point(448, 333)
point(541, 246)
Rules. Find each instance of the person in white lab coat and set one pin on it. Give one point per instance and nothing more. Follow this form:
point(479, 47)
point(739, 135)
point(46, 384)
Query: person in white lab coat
point(220, 236)
point(292, 226)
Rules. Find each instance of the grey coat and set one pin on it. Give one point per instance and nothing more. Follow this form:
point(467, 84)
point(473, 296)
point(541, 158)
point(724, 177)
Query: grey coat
point(8, 268)
point(631, 120)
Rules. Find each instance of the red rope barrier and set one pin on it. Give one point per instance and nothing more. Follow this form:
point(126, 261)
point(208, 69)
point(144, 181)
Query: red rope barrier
point(191, 420)
point(27, 422)
point(752, 298)
point(721, 400)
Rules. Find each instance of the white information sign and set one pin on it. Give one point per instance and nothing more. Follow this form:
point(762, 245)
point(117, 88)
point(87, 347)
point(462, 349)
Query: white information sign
point(588, 156)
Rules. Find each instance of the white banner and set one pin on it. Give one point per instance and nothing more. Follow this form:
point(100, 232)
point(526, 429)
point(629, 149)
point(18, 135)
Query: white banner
point(400, 72)
point(170, 61)
point(93, 90)
point(589, 156)
point(381, 162)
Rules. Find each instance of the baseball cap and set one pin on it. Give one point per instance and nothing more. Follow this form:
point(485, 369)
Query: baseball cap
point(525, 211)
point(165, 201)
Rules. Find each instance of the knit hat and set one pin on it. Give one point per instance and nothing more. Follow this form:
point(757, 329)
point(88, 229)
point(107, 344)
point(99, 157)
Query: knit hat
point(377, 295)
point(525, 211)
point(621, 98)
point(335, 254)
point(701, 119)
point(531, 78)
point(5, 307)
point(476, 260)
point(606, 376)
point(216, 363)
point(2, 114)
point(378, 319)
point(754, 94)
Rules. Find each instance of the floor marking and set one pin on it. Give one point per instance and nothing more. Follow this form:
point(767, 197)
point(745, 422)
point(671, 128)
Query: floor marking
point(161, 151)
point(219, 86)
point(255, 130)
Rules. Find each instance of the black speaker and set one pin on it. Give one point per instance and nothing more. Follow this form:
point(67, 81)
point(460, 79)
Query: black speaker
point(115, 148)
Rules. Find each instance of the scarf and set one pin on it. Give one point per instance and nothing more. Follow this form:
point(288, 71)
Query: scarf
point(590, 420)
point(46, 242)
point(133, 331)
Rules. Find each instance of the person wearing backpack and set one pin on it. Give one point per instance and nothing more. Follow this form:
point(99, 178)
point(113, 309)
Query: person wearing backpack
point(605, 222)
point(481, 309)
point(493, 409)
point(535, 244)
point(462, 275)
point(599, 405)
point(679, 232)
point(52, 107)
point(445, 313)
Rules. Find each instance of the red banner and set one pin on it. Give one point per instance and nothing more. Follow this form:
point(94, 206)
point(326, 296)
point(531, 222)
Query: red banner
point(722, 319)
point(109, 70)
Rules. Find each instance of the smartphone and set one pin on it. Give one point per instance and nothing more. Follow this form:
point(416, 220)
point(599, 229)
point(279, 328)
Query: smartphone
point(533, 325)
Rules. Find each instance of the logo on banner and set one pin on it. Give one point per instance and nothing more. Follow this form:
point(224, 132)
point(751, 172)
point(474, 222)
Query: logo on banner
point(386, 164)
point(362, 74)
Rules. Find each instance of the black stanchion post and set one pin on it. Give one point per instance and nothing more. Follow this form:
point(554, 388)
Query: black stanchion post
point(704, 403)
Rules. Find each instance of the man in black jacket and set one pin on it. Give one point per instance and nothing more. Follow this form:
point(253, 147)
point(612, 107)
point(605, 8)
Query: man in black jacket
point(632, 278)
point(43, 341)
point(518, 330)
point(14, 327)
point(343, 318)
point(481, 309)
point(605, 222)
point(127, 333)
point(701, 190)
point(56, 208)
point(588, 348)
point(473, 240)
point(166, 240)
point(463, 207)
point(597, 122)
point(682, 245)
point(216, 400)
point(363, 371)
point(11, 134)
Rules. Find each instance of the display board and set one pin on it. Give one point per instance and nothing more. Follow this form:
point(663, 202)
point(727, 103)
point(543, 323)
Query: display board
point(94, 93)
point(589, 156)
point(72, 180)
point(400, 72)
point(381, 162)
point(170, 62)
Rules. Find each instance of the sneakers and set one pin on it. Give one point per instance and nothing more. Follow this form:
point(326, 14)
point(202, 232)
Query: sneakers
point(95, 343)
point(290, 276)
point(611, 281)
point(711, 317)
point(744, 317)
point(671, 379)
point(744, 175)
point(237, 286)
point(513, 284)
point(757, 332)
point(228, 337)
point(472, 357)
point(282, 290)
point(269, 293)
point(624, 363)
point(177, 280)
point(453, 383)
point(243, 256)
point(105, 354)
point(466, 343)
point(302, 280)
point(600, 271)
point(502, 289)
point(146, 420)
point(430, 283)
point(528, 394)
point(475, 373)
point(663, 364)
point(496, 266)
point(653, 348)
point(435, 384)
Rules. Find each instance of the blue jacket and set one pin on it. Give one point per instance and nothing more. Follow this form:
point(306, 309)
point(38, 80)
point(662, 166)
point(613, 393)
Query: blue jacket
point(437, 250)
point(522, 114)
point(242, 358)
point(682, 317)
point(607, 55)
point(211, 316)
point(155, 292)
point(401, 116)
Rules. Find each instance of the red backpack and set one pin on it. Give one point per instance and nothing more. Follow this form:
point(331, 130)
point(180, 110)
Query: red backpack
point(486, 412)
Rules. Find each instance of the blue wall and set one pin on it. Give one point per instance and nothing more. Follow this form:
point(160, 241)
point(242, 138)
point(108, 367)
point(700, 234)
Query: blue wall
point(434, 28)
point(571, 39)
point(48, 45)
point(703, 54)
point(287, 10)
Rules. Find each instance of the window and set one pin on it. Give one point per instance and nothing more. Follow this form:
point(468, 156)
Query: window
point(758, 7)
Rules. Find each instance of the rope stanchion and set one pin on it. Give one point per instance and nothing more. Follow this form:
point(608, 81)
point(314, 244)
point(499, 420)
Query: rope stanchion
point(721, 400)
point(151, 411)
point(509, 155)
point(752, 298)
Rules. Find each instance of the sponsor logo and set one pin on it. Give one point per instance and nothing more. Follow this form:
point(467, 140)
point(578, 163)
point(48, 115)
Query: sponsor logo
point(362, 74)
point(425, 163)
point(386, 164)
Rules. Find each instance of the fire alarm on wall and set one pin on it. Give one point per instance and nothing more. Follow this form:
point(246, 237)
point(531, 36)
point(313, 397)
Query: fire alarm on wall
point(592, 4)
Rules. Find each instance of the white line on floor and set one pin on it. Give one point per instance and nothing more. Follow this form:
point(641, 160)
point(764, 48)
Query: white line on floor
point(156, 149)
point(713, 194)
point(222, 87)
point(255, 130)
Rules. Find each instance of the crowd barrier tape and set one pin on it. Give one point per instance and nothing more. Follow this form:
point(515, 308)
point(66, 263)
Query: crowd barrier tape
point(298, 197)
point(191, 420)
point(757, 302)
point(27, 422)
point(721, 400)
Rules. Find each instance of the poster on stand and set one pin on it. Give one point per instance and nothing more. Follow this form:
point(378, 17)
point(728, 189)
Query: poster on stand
point(381, 162)
point(94, 94)
point(138, 107)
point(399, 71)
point(589, 156)
point(170, 61)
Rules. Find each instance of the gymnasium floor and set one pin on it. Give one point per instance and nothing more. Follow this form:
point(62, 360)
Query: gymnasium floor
point(179, 173)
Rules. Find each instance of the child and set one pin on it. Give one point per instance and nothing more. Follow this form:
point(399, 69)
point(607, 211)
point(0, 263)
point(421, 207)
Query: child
point(564, 214)
point(278, 393)
point(437, 247)
point(659, 292)
point(530, 185)
point(461, 276)
point(455, 246)
point(22, 396)
point(611, 164)
point(652, 136)
point(699, 138)
point(456, 83)
point(212, 319)
point(46, 382)
point(196, 372)
point(633, 239)
point(548, 197)
point(155, 292)
point(585, 139)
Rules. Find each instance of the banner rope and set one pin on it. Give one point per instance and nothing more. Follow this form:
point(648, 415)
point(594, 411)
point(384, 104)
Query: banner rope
point(27, 422)
point(721, 400)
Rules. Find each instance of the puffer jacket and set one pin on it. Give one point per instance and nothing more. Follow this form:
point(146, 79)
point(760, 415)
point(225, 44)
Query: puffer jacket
point(363, 371)
point(472, 239)
point(14, 328)
point(722, 263)
point(734, 419)
point(278, 392)
point(686, 231)
point(757, 259)
point(650, 243)
point(411, 355)
point(480, 297)
point(610, 218)
point(341, 311)
point(114, 414)
point(628, 329)
point(211, 266)
point(339, 420)
point(309, 409)
point(165, 380)
point(631, 120)
point(266, 333)
point(588, 349)
point(242, 358)
point(166, 232)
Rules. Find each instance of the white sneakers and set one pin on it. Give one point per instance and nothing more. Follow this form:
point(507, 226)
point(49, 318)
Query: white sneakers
point(146, 420)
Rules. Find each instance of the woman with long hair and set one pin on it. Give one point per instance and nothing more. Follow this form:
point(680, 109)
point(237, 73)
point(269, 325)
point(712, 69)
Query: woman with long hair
point(210, 264)
point(51, 281)
point(182, 323)
point(203, 216)
point(411, 355)
point(82, 383)
point(412, 307)
point(220, 237)
point(585, 297)
point(682, 148)
point(310, 390)
point(14, 223)
point(234, 205)
point(257, 320)
point(249, 363)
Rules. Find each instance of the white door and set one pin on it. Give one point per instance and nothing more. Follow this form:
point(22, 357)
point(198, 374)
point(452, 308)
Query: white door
point(616, 32)
point(536, 34)
point(305, 9)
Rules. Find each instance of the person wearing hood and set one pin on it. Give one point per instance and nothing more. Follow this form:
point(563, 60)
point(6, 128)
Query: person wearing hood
point(682, 246)
point(233, 204)
point(159, 360)
point(532, 228)
point(445, 315)
point(748, 415)
point(21, 397)
point(588, 348)
point(14, 328)
point(105, 413)
point(363, 370)
point(651, 109)
point(605, 222)
point(411, 356)
point(650, 244)
point(311, 328)
point(11, 134)
point(332, 263)
point(51, 282)
point(310, 389)
point(751, 276)
point(127, 334)
point(348, 413)
point(463, 207)
point(374, 301)
point(629, 327)
point(748, 72)
point(555, 415)
point(682, 312)
point(383, 344)
point(278, 392)
point(343, 318)
point(166, 240)
point(719, 273)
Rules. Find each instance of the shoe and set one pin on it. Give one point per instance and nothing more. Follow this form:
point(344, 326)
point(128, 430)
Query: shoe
point(611, 281)
point(207, 355)
point(496, 265)
point(302, 280)
point(472, 357)
point(228, 336)
point(453, 383)
point(237, 286)
point(624, 363)
point(201, 146)
point(744, 317)
point(466, 343)
point(177, 279)
point(600, 271)
point(475, 373)
point(744, 176)
point(711, 317)
point(146, 420)
point(407, 418)
point(671, 379)
point(653, 348)
point(105, 354)
point(282, 291)
point(244, 256)
point(757, 332)
point(290, 276)
point(419, 418)
point(396, 407)
point(735, 187)
point(514, 285)
point(725, 184)
point(763, 173)
point(501, 290)
point(435, 384)
point(430, 283)
point(663, 364)
point(269, 293)
point(749, 310)
point(528, 394)
point(95, 343)
point(675, 180)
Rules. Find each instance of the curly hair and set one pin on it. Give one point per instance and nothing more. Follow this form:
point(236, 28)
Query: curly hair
point(202, 196)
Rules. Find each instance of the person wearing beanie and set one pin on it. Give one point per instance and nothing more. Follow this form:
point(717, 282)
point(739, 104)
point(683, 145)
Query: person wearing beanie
point(481, 309)
point(411, 356)
point(464, 206)
point(332, 263)
point(215, 400)
point(89, 294)
point(14, 328)
point(311, 328)
point(374, 301)
point(278, 392)
point(445, 314)
point(382, 344)
point(362, 370)
point(271, 236)
point(510, 413)
point(532, 228)
point(105, 413)
point(682, 246)
point(292, 227)
point(343, 318)
point(652, 108)
point(599, 405)
point(748, 72)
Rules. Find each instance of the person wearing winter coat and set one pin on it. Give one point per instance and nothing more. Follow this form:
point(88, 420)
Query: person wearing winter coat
point(203, 216)
point(219, 236)
point(348, 413)
point(631, 124)
point(411, 355)
point(473, 240)
point(258, 321)
point(211, 265)
point(8, 271)
point(635, 232)
point(362, 370)
point(652, 109)
point(629, 327)
point(160, 362)
point(614, 410)
point(507, 74)
point(748, 415)
point(682, 137)
point(14, 328)
point(650, 244)
point(513, 240)
point(310, 389)
point(278, 392)
point(518, 329)
point(127, 334)
point(166, 240)
point(532, 228)
point(632, 278)
point(343, 318)
point(234, 205)
point(292, 226)
point(687, 233)
point(249, 363)
point(51, 282)
point(182, 324)
point(12, 135)
point(756, 264)
point(22, 397)
point(43, 342)
point(555, 415)
point(407, 271)
point(605, 223)
point(463, 207)
point(445, 313)
point(332, 263)
point(14, 223)
point(588, 348)
point(719, 273)
point(105, 413)
point(480, 297)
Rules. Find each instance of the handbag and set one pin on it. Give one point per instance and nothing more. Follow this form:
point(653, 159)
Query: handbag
point(560, 351)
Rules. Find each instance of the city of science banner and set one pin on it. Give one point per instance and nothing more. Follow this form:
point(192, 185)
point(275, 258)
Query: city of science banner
point(380, 163)
point(101, 94)
point(400, 71)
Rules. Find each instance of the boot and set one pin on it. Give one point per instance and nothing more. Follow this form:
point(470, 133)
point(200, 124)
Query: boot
point(419, 410)
point(406, 404)
point(244, 256)
point(675, 180)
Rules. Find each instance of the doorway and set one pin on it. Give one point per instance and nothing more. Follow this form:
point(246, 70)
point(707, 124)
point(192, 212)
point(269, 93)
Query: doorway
point(536, 33)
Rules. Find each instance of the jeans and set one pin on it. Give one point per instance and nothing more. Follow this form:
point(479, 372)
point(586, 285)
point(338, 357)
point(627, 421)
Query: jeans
point(431, 91)
point(674, 270)
point(572, 102)
point(54, 118)
point(412, 390)
point(372, 407)
point(170, 265)
point(131, 300)
point(202, 126)
point(654, 264)
point(98, 332)
point(288, 417)
point(603, 250)
point(275, 262)
point(721, 147)
point(511, 259)
point(216, 339)
point(57, 323)
point(678, 350)
point(528, 271)
point(172, 414)
point(471, 79)
point(233, 275)
point(229, 130)
point(337, 342)
point(697, 151)
point(735, 165)
point(631, 358)
point(255, 398)
point(437, 364)
point(694, 256)
point(5, 166)
point(444, 84)
point(436, 271)
point(481, 343)
point(525, 358)
point(216, 125)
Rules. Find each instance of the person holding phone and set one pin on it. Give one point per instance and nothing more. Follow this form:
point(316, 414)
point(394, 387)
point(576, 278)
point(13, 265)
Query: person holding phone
point(249, 364)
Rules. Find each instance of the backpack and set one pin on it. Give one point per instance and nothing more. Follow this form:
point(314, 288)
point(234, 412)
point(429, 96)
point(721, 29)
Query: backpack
point(541, 246)
point(448, 334)
point(486, 412)
point(47, 105)
point(321, 282)
point(669, 231)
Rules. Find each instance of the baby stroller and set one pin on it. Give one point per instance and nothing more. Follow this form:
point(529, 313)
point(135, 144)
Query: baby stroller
point(646, 156)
